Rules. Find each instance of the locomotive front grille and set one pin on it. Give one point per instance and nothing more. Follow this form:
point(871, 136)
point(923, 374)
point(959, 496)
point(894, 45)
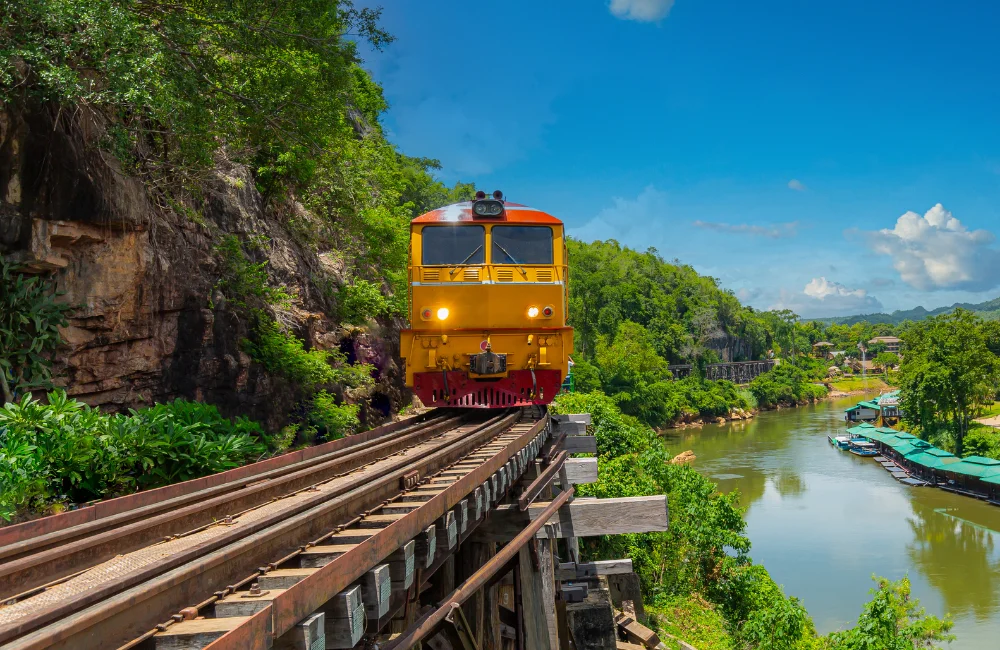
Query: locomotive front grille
point(487, 363)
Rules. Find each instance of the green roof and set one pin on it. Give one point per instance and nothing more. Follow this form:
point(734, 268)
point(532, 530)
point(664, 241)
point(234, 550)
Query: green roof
point(992, 478)
point(910, 446)
point(933, 458)
point(976, 466)
point(869, 405)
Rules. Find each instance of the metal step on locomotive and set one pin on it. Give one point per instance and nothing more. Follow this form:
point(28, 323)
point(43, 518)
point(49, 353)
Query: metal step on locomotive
point(488, 305)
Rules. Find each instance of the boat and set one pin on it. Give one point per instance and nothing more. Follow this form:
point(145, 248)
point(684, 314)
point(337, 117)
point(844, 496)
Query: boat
point(840, 442)
point(862, 448)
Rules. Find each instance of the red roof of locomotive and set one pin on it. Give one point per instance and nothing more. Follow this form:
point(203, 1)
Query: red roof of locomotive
point(462, 212)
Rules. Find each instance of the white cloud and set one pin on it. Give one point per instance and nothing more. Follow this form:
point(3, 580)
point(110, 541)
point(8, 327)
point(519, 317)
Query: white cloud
point(822, 297)
point(936, 251)
point(774, 231)
point(797, 185)
point(643, 11)
point(625, 217)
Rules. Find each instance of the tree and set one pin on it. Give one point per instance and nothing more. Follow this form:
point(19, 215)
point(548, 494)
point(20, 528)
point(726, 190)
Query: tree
point(29, 330)
point(633, 374)
point(892, 621)
point(947, 371)
point(886, 360)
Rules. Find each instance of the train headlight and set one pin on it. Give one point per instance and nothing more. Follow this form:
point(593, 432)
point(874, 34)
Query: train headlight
point(532, 312)
point(487, 208)
point(442, 313)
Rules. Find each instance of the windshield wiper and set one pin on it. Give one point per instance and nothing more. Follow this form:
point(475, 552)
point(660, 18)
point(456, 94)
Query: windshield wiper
point(514, 261)
point(467, 258)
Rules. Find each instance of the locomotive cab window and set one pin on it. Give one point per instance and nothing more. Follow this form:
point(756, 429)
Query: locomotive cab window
point(521, 245)
point(453, 245)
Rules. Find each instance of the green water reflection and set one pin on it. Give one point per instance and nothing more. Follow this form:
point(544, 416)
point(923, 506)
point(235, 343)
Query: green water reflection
point(823, 521)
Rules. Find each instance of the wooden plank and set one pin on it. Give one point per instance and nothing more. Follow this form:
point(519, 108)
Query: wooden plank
point(195, 634)
point(570, 428)
point(571, 417)
point(581, 470)
point(310, 634)
point(570, 571)
point(283, 578)
point(242, 603)
point(584, 517)
point(580, 444)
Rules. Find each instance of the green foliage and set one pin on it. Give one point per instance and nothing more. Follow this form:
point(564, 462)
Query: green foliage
point(693, 619)
point(947, 371)
point(361, 302)
point(705, 551)
point(586, 377)
point(981, 440)
point(686, 314)
point(67, 451)
point(29, 331)
point(787, 384)
point(886, 360)
point(244, 282)
point(267, 78)
point(331, 419)
point(892, 620)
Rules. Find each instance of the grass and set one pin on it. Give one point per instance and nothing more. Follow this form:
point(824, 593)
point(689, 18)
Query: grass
point(691, 619)
point(989, 410)
point(854, 384)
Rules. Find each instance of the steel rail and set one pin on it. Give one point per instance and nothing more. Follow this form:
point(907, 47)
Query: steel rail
point(131, 608)
point(544, 479)
point(427, 624)
point(27, 572)
point(310, 594)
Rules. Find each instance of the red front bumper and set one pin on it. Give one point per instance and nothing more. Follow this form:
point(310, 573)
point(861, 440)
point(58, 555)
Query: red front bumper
point(517, 389)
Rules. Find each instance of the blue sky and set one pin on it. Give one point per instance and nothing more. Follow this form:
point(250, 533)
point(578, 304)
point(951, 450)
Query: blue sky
point(797, 151)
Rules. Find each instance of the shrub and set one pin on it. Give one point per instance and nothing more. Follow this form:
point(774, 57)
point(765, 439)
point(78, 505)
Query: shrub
point(331, 419)
point(68, 451)
point(361, 302)
point(785, 384)
point(282, 353)
point(29, 322)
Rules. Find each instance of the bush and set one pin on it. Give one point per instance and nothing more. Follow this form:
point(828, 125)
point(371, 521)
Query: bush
point(29, 331)
point(705, 551)
point(361, 302)
point(68, 451)
point(785, 384)
point(282, 353)
point(331, 419)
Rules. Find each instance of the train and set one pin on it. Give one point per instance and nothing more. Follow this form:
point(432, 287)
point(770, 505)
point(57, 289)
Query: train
point(489, 302)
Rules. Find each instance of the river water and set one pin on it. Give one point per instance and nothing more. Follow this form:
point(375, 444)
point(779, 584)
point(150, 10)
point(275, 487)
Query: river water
point(823, 521)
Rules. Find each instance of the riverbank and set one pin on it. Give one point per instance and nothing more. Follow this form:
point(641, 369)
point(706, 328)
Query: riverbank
point(823, 521)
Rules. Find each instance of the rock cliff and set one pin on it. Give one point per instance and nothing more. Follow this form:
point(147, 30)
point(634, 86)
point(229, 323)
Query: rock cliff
point(140, 270)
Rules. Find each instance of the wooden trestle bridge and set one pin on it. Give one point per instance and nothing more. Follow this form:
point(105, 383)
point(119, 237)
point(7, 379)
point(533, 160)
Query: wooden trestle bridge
point(739, 372)
point(452, 530)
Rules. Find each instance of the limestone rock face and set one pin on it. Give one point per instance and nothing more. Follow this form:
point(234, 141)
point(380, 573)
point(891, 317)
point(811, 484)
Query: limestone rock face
point(141, 274)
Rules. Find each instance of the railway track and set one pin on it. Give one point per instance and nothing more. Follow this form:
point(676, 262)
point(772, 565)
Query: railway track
point(257, 555)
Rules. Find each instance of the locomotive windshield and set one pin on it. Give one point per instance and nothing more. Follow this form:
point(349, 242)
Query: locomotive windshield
point(453, 245)
point(522, 245)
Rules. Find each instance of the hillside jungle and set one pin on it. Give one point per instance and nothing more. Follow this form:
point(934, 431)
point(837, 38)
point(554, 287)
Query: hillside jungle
point(203, 233)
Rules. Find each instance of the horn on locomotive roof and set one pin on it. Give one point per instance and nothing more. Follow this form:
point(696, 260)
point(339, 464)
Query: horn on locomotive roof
point(498, 195)
point(480, 195)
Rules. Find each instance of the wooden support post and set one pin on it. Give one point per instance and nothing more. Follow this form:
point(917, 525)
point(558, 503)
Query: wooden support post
point(546, 566)
point(475, 553)
point(532, 601)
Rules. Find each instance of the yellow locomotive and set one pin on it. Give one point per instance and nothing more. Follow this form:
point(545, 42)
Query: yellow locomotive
point(488, 305)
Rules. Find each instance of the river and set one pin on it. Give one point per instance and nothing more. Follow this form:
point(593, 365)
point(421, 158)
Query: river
point(823, 521)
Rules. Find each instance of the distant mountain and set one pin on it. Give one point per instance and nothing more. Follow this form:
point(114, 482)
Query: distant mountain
point(989, 310)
